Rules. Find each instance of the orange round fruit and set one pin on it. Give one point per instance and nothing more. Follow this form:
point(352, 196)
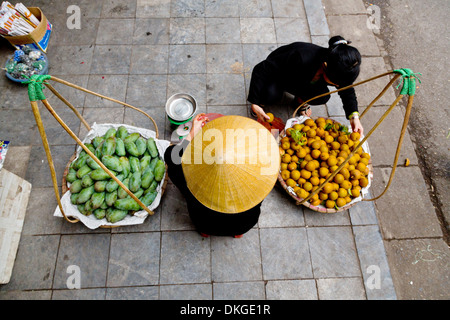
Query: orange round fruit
point(340, 202)
point(290, 182)
point(333, 195)
point(285, 174)
point(305, 174)
point(329, 204)
point(292, 166)
point(295, 174)
point(271, 117)
point(286, 158)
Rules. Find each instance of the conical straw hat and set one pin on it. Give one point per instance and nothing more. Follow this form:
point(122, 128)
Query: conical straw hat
point(232, 164)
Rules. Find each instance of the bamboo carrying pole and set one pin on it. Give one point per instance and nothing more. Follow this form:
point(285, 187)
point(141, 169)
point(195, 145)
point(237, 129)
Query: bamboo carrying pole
point(37, 116)
point(410, 93)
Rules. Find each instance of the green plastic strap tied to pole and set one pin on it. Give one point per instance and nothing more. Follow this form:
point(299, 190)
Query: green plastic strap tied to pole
point(36, 85)
point(408, 80)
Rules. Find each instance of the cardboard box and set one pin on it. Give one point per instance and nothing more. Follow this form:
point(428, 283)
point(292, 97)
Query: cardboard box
point(39, 37)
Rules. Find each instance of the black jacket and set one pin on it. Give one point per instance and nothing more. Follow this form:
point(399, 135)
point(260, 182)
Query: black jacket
point(294, 66)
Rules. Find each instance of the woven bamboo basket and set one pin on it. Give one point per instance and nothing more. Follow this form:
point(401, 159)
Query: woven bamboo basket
point(321, 208)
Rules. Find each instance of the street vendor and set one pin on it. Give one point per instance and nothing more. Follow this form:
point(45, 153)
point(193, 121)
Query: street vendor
point(306, 70)
point(223, 196)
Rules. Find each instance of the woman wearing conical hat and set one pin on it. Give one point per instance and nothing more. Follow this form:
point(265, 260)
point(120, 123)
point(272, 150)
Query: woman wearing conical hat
point(224, 168)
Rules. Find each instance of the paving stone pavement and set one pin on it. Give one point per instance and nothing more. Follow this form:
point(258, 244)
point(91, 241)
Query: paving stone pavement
point(142, 52)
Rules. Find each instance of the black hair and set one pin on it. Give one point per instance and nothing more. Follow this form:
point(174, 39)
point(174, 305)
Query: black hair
point(343, 62)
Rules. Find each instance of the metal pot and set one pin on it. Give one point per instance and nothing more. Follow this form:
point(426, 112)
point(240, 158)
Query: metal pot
point(180, 108)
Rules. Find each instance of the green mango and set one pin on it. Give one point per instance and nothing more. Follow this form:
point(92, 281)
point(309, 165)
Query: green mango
point(135, 164)
point(141, 145)
point(132, 137)
point(92, 164)
point(148, 198)
point(112, 163)
point(88, 205)
point(110, 198)
point(127, 204)
point(83, 171)
point(97, 199)
point(71, 175)
point(144, 163)
point(147, 178)
point(126, 167)
point(110, 133)
point(138, 193)
point(122, 132)
point(97, 141)
point(135, 181)
point(114, 215)
point(80, 161)
point(100, 185)
point(112, 185)
point(76, 187)
point(99, 174)
point(152, 187)
point(152, 164)
point(73, 198)
point(99, 213)
point(85, 194)
point(121, 193)
point(104, 204)
point(98, 150)
point(120, 147)
point(160, 168)
point(82, 209)
point(132, 149)
point(109, 146)
point(87, 181)
point(90, 146)
point(151, 147)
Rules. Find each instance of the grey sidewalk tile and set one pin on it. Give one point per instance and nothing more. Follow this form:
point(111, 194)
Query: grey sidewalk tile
point(151, 31)
point(334, 105)
point(26, 295)
point(39, 218)
point(186, 292)
point(115, 31)
point(219, 85)
point(291, 290)
point(147, 90)
point(279, 210)
point(364, 212)
point(153, 9)
point(224, 58)
point(79, 294)
point(10, 131)
point(134, 259)
point(374, 265)
point(290, 30)
point(112, 86)
point(223, 8)
point(320, 40)
point(100, 115)
point(185, 258)
point(174, 215)
point(34, 271)
point(354, 28)
point(255, 8)
point(133, 293)
point(254, 53)
point(258, 30)
point(89, 252)
point(239, 290)
point(14, 96)
point(137, 119)
point(365, 93)
point(38, 174)
point(384, 140)
point(63, 35)
point(187, 30)
point(151, 223)
point(188, 58)
point(17, 160)
point(341, 289)
point(111, 59)
point(236, 259)
point(316, 219)
point(70, 59)
point(411, 217)
point(193, 84)
point(150, 59)
point(119, 9)
point(187, 8)
point(316, 17)
point(343, 7)
point(223, 30)
point(285, 253)
point(288, 8)
point(74, 96)
point(333, 252)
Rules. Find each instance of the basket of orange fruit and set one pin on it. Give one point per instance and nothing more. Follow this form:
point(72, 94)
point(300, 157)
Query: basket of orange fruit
point(312, 149)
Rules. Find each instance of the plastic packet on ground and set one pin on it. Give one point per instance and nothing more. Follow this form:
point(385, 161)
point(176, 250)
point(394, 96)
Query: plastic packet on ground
point(3, 149)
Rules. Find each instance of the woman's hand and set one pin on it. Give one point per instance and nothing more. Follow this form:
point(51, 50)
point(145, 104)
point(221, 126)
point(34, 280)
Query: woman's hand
point(262, 116)
point(197, 124)
point(356, 125)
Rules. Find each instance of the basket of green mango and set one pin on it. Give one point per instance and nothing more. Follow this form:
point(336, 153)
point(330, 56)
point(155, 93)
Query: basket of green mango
point(135, 157)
